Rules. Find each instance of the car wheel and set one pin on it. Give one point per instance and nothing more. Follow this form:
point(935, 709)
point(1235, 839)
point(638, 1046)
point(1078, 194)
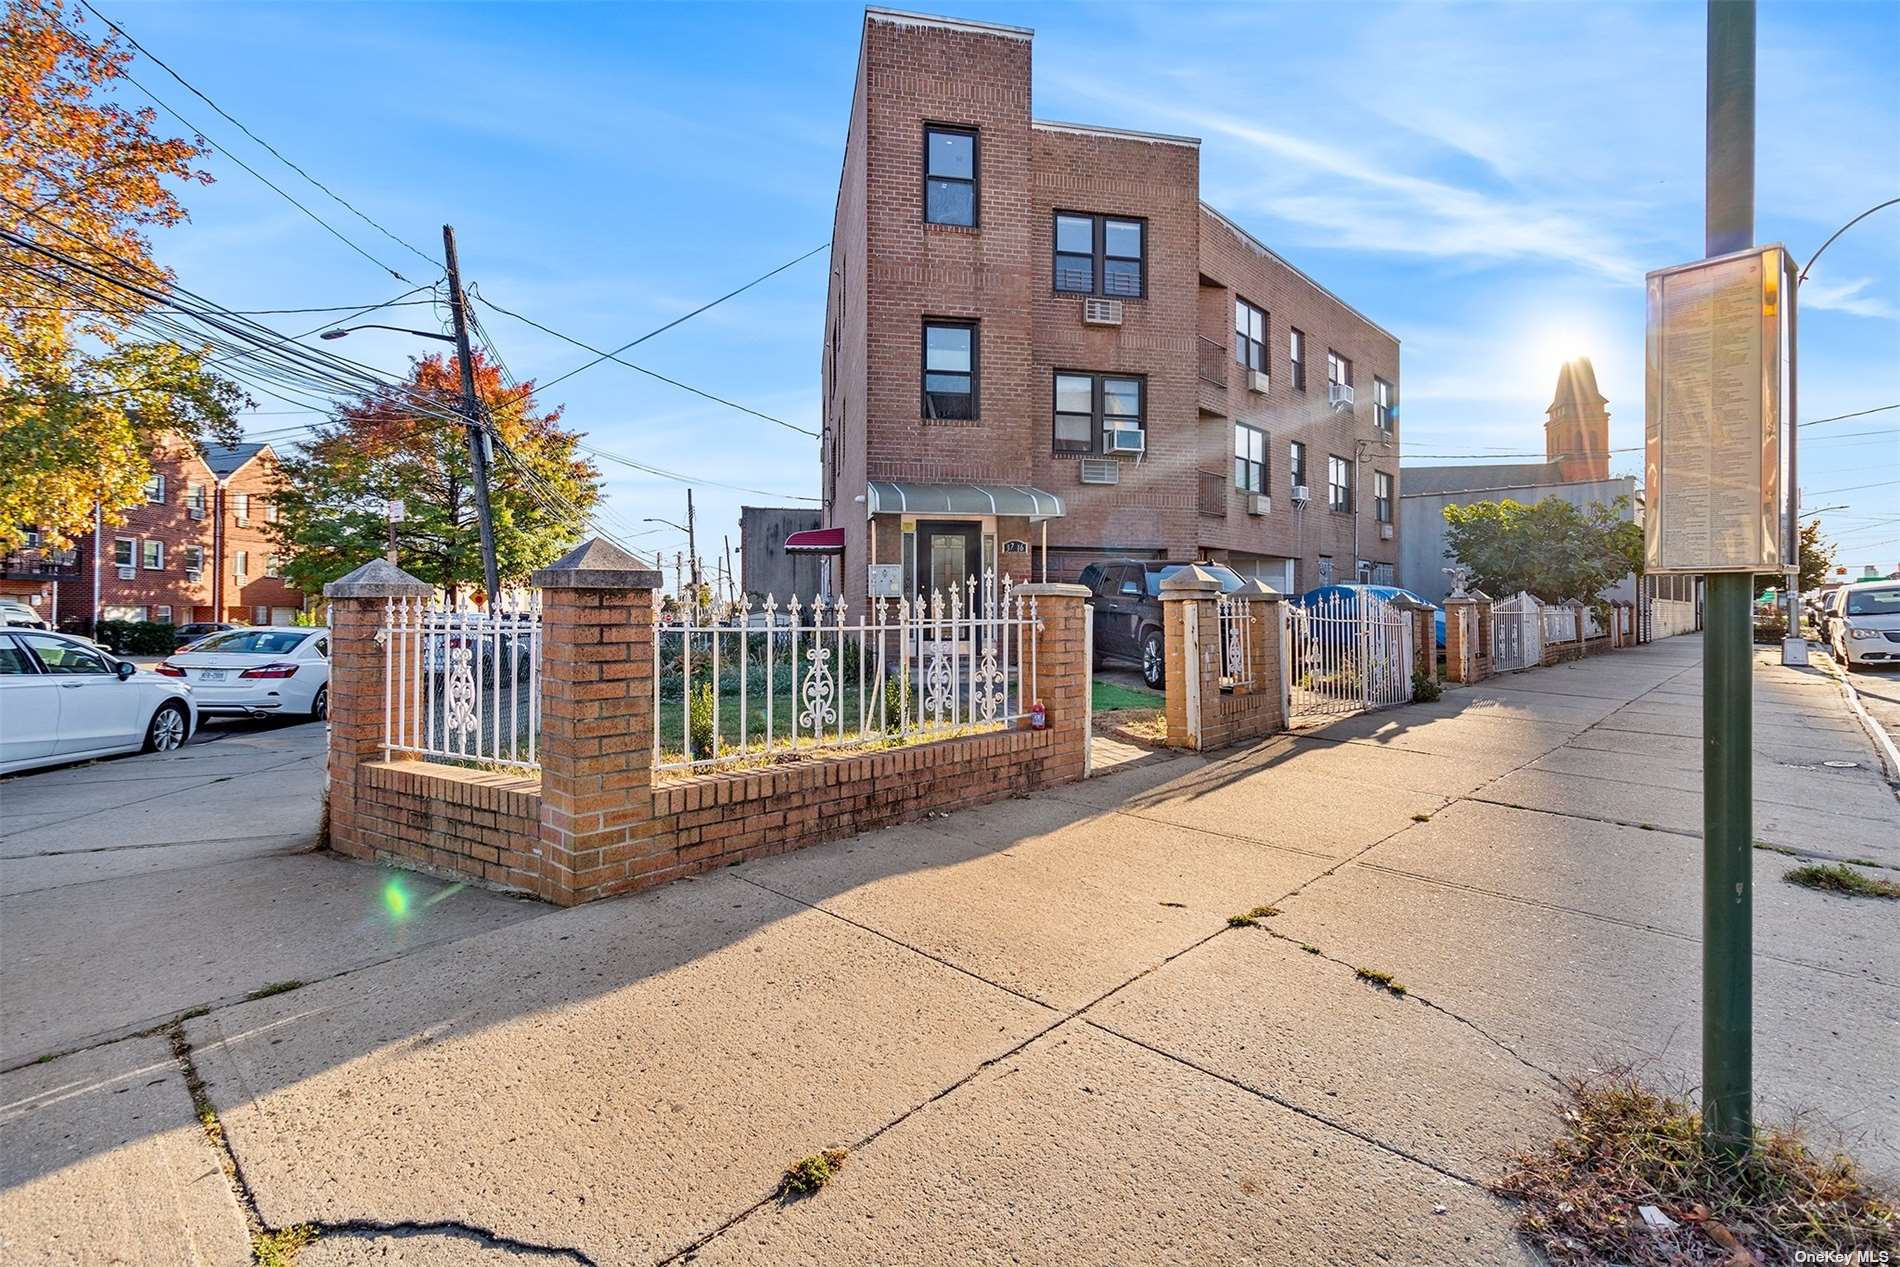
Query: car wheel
point(168, 729)
point(1153, 659)
point(320, 705)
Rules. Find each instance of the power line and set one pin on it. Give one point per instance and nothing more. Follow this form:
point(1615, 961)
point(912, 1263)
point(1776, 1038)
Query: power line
point(1851, 488)
point(663, 473)
point(1858, 413)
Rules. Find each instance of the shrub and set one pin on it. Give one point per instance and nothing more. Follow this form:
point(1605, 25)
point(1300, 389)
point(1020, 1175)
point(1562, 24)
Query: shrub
point(896, 701)
point(701, 711)
point(1425, 688)
point(126, 637)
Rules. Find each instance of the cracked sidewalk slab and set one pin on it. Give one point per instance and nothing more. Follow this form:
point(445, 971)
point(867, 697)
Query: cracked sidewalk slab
point(621, 1078)
point(1087, 1148)
point(102, 1160)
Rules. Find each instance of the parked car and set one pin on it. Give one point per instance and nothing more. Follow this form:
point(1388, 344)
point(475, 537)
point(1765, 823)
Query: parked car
point(63, 699)
point(515, 654)
point(15, 614)
point(1127, 600)
point(1866, 626)
point(185, 635)
point(258, 671)
point(1829, 612)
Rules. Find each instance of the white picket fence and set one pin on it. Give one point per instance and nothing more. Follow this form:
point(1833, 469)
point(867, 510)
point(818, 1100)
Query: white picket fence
point(739, 681)
point(462, 683)
point(1349, 653)
point(1517, 633)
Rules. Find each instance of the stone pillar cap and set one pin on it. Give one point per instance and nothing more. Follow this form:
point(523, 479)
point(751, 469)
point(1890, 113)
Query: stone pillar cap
point(1405, 602)
point(1258, 591)
point(1192, 581)
point(597, 565)
point(1048, 589)
point(379, 578)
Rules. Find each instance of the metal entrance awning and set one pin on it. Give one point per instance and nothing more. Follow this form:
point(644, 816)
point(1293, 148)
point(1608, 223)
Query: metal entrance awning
point(890, 497)
point(816, 541)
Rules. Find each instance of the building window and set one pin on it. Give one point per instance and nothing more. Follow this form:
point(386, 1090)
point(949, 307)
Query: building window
point(270, 512)
point(1091, 408)
point(1384, 411)
point(242, 567)
point(1296, 466)
point(124, 552)
point(1338, 368)
point(1250, 459)
point(950, 175)
point(1100, 255)
point(155, 490)
point(271, 566)
point(241, 507)
point(195, 500)
point(1250, 336)
point(1325, 569)
point(950, 369)
point(1382, 497)
point(194, 558)
point(152, 556)
point(1296, 358)
point(1338, 483)
point(163, 614)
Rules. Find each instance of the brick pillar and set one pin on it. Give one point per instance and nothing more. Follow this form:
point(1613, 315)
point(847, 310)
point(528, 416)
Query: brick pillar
point(598, 606)
point(359, 686)
point(1425, 642)
point(1062, 673)
point(1191, 636)
point(1461, 633)
point(1266, 609)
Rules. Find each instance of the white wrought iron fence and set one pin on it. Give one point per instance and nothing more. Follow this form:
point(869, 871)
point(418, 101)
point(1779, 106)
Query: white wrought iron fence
point(1236, 641)
point(727, 690)
point(1559, 624)
point(1517, 633)
point(1350, 652)
point(462, 684)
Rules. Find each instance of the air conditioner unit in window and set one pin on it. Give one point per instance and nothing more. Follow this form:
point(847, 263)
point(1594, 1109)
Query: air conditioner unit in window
point(192, 574)
point(1101, 312)
point(1259, 504)
point(195, 512)
point(1301, 495)
point(1385, 532)
point(1339, 395)
point(1126, 441)
point(1257, 380)
point(128, 573)
point(1101, 471)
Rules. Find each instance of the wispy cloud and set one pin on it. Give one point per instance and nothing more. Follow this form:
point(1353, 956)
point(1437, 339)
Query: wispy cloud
point(1847, 295)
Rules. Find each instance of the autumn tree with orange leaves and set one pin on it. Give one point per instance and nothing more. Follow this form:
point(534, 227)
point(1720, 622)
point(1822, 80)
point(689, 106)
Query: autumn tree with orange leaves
point(331, 508)
point(83, 402)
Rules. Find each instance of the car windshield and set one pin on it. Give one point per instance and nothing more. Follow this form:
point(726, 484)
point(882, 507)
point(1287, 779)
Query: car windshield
point(1874, 602)
point(1228, 578)
point(252, 642)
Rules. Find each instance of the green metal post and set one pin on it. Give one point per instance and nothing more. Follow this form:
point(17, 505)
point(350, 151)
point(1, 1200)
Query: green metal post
point(1728, 906)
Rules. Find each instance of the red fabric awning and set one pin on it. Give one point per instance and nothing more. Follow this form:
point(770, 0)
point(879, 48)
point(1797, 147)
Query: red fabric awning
point(816, 541)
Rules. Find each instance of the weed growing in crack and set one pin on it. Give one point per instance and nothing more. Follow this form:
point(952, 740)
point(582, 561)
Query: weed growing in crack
point(808, 1174)
point(1768, 848)
point(1309, 948)
point(280, 1248)
point(1251, 919)
point(1839, 878)
point(275, 987)
point(1421, 818)
point(1383, 980)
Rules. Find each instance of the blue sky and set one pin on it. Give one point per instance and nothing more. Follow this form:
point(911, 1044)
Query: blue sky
point(1489, 182)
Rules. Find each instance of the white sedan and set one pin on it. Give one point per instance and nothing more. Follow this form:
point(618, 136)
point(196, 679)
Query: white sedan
point(258, 670)
point(63, 699)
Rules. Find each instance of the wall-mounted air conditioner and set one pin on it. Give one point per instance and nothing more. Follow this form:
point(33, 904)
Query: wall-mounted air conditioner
point(1385, 532)
point(128, 573)
point(1259, 504)
point(1339, 395)
point(1101, 312)
point(1257, 381)
point(1301, 495)
point(1101, 471)
point(1129, 441)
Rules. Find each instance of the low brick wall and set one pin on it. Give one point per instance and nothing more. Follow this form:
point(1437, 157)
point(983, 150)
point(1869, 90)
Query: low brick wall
point(1231, 717)
point(471, 824)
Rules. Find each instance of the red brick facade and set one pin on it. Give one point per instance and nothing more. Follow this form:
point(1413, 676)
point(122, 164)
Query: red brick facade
point(891, 270)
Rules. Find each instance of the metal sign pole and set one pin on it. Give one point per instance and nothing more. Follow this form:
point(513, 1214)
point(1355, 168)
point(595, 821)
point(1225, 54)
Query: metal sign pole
point(1727, 703)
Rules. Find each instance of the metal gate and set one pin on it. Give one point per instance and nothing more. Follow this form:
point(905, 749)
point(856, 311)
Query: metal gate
point(1517, 633)
point(1348, 652)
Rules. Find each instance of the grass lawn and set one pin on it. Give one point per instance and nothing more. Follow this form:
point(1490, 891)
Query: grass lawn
point(1113, 696)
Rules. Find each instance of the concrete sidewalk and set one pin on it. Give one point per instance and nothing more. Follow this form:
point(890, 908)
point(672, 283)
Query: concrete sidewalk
point(1031, 1024)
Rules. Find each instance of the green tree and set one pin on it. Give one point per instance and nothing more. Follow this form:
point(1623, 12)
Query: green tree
point(1550, 549)
point(333, 498)
point(1817, 562)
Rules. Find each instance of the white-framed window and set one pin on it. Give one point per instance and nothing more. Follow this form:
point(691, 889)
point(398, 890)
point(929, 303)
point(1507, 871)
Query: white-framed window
point(241, 507)
point(195, 500)
point(1250, 458)
point(162, 613)
point(1296, 358)
point(271, 565)
point(125, 552)
point(155, 490)
point(30, 538)
point(1382, 497)
point(152, 556)
point(1384, 407)
point(1338, 483)
point(194, 558)
point(1296, 464)
point(270, 512)
point(121, 611)
point(1338, 368)
point(241, 568)
point(260, 615)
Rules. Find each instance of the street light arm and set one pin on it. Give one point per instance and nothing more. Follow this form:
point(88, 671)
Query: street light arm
point(1844, 228)
point(371, 325)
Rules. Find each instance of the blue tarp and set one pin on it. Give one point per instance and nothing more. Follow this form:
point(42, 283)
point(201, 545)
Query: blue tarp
point(1348, 596)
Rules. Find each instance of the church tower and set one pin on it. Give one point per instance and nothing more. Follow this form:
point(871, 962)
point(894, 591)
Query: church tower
point(1577, 425)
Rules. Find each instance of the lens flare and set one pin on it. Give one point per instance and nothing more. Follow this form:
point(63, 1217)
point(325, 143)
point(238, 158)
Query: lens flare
point(396, 899)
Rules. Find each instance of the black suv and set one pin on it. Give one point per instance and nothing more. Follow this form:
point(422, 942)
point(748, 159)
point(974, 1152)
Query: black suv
point(186, 634)
point(1127, 598)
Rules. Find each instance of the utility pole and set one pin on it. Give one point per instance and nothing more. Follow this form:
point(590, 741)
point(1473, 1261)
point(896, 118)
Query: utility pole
point(1728, 909)
point(472, 410)
point(732, 586)
point(692, 546)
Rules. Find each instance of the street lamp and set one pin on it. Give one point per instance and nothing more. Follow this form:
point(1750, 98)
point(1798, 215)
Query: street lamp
point(371, 325)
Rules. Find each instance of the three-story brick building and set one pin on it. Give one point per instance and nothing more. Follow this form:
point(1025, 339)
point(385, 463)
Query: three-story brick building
point(1042, 348)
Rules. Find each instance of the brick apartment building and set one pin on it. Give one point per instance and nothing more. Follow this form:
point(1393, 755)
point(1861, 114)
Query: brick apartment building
point(197, 549)
point(1041, 345)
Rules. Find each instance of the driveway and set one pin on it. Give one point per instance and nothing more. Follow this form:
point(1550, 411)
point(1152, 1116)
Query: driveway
point(1031, 1025)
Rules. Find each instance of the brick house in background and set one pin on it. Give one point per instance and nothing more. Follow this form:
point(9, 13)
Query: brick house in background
point(1038, 335)
point(197, 549)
